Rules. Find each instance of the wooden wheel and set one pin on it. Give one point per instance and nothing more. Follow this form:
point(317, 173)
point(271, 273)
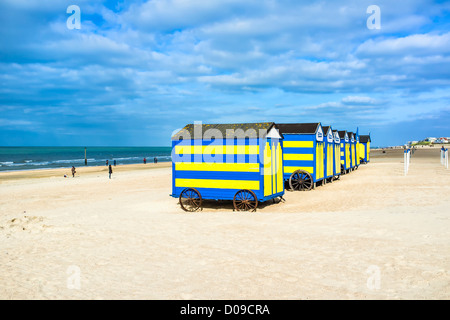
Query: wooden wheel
point(245, 200)
point(301, 180)
point(190, 200)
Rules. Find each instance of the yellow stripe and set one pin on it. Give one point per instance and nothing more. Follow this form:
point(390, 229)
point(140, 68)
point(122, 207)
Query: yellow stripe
point(274, 178)
point(216, 149)
point(292, 169)
point(298, 144)
point(209, 166)
point(217, 184)
point(291, 156)
point(280, 183)
point(267, 177)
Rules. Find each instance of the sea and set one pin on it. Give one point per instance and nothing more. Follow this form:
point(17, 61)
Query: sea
point(31, 158)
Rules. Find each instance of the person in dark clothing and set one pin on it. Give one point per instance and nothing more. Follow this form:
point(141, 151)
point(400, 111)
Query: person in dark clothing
point(106, 162)
point(110, 171)
point(114, 163)
point(155, 160)
point(145, 160)
point(73, 172)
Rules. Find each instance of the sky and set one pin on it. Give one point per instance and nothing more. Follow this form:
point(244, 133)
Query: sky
point(138, 70)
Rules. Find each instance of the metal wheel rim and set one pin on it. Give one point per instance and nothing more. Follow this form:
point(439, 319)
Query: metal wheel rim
point(245, 200)
point(301, 180)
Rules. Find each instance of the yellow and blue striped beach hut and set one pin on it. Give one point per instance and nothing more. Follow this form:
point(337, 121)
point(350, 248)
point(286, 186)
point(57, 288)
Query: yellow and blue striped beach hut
point(364, 145)
point(328, 154)
point(238, 162)
point(358, 148)
point(336, 155)
point(352, 139)
point(345, 152)
point(303, 154)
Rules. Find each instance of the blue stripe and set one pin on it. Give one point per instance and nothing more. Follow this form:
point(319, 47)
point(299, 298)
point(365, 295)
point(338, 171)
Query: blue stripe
point(299, 163)
point(299, 150)
point(299, 137)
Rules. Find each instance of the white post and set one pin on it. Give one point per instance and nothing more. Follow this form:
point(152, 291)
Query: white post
point(446, 158)
point(442, 156)
point(408, 155)
point(405, 163)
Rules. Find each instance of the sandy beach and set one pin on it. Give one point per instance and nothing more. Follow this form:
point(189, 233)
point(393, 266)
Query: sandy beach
point(374, 234)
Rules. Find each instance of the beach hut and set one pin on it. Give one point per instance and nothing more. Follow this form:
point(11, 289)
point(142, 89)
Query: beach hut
point(364, 145)
point(352, 141)
point(336, 155)
point(345, 152)
point(328, 154)
point(303, 154)
point(357, 146)
point(238, 162)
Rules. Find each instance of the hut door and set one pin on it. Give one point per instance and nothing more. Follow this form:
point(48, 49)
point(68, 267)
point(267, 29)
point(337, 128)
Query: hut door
point(319, 160)
point(273, 168)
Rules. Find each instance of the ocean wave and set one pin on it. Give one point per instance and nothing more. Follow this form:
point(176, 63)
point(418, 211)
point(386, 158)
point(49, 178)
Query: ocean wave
point(70, 161)
point(123, 159)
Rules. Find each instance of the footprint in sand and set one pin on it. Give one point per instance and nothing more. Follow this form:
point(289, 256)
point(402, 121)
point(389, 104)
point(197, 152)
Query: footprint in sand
point(24, 223)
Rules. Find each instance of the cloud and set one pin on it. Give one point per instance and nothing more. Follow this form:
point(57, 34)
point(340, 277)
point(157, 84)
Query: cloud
point(412, 45)
point(136, 63)
point(352, 100)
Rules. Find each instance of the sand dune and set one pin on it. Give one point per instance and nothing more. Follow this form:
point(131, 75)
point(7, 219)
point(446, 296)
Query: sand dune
point(374, 234)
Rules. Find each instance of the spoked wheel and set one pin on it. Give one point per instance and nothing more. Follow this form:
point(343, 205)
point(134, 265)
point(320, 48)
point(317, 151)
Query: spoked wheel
point(190, 200)
point(245, 200)
point(301, 180)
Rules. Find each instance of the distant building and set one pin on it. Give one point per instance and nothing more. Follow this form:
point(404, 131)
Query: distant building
point(430, 139)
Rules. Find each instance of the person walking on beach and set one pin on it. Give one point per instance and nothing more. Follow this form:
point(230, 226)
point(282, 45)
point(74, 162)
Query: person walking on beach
point(73, 172)
point(110, 171)
point(145, 160)
point(155, 160)
point(106, 162)
point(114, 163)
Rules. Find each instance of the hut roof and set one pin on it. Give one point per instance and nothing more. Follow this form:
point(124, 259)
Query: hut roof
point(229, 130)
point(342, 134)
point(364, 138)
point(298, 128)
point(325, 129)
